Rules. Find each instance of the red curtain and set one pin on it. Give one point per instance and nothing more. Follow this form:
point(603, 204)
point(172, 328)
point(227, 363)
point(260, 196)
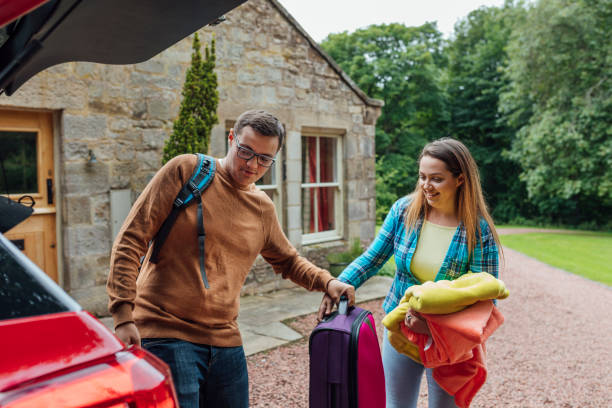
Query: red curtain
point(323, 193)
point(312, 178)
point(324, 217)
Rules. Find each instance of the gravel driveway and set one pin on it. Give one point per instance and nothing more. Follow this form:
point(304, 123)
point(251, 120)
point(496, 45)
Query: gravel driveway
point(554, 349)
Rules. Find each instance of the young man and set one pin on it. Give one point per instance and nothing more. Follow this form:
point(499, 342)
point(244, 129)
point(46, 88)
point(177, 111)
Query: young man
point(166, 306)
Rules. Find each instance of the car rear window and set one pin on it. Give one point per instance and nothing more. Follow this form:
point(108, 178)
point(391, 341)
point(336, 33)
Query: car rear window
point(21, 293)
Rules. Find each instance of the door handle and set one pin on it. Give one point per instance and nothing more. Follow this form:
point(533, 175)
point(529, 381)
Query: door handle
point(49, 191)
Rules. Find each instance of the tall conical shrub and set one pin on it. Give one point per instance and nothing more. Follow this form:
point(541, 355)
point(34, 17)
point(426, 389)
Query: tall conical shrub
point(198, 112)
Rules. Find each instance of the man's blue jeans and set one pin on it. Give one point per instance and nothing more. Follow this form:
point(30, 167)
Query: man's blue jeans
point(203, 375)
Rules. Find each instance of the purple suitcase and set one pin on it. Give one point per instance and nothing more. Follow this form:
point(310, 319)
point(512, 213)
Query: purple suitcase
point(345, 362)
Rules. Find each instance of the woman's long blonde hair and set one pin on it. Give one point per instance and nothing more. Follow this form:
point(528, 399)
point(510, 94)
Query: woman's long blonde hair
point(469, 201)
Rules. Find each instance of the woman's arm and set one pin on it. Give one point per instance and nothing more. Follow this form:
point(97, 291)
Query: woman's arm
point(378, 253)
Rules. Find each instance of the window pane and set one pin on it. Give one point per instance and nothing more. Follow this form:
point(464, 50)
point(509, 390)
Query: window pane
point(21, 295)
point(318, 209)
point(270, 192)
point(308, 209)
point(327, 155)
point(326, 221)
point(269, 177)
point(309, 159)
point(19, 159)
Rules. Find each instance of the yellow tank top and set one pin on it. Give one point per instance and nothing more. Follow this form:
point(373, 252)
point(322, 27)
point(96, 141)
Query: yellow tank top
point(431, 249)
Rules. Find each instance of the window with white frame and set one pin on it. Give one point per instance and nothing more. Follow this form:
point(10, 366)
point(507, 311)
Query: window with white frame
point(321, 187)
point(270, 182)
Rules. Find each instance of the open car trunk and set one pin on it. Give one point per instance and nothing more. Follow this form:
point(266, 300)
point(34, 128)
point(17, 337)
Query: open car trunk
point(103, 31)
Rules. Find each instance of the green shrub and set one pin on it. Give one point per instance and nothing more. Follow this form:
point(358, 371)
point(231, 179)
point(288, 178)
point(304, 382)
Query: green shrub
point(198, 111)
point(388, 269)
point(340, 260)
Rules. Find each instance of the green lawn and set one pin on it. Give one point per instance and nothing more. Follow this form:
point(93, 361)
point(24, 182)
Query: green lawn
point(547, 227)
point(584, 253)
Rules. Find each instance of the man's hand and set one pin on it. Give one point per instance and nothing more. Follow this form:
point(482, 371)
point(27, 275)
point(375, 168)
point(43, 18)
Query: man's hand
point(128, 334)
point(415, 322)
point(335, 289)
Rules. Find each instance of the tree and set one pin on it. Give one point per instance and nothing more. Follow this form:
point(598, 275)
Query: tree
point(560, 100)
point(402, 66)
point(477, 57)
point(198, 111)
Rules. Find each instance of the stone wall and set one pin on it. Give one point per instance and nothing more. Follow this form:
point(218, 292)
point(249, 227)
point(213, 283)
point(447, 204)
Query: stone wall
point(124, 114)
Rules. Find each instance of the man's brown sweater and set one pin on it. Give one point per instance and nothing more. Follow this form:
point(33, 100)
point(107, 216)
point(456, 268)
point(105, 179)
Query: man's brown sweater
point(168, 299)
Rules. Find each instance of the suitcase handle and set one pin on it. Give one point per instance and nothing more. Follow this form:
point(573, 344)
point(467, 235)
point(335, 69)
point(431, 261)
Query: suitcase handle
point(343, 305)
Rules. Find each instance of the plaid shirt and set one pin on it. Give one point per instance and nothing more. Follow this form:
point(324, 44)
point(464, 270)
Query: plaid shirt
point(394, 240)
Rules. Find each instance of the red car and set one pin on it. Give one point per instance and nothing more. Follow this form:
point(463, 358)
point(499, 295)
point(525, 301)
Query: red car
point(56, 354)
point(53, 353)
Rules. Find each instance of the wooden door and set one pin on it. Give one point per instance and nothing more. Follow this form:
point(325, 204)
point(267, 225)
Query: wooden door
point(26, 152)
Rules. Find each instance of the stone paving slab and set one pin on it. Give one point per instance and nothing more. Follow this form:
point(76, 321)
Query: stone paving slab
point(278, 330)
point(255, 343)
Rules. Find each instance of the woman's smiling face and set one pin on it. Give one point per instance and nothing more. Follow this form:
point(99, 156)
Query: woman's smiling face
point(438, 184)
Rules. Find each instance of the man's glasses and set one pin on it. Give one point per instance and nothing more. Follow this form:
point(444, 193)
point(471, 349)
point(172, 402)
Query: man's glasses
point(247, 154)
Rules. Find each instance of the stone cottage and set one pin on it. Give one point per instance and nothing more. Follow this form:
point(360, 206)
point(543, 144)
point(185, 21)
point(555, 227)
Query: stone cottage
point(88, 137)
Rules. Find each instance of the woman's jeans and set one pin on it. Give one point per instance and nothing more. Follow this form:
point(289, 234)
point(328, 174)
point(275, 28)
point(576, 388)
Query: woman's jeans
point(203, 375)
point(403, 380)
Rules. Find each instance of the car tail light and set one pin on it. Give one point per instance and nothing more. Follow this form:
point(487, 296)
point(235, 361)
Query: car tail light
point(130, 379)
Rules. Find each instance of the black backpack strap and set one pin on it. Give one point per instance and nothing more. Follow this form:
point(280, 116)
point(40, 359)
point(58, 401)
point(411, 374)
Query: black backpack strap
point(201, 236)
point(201, 178)
point(192, 190)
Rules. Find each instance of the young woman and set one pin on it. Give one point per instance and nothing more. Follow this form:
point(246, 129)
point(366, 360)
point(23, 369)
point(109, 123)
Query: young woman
point(441, 231)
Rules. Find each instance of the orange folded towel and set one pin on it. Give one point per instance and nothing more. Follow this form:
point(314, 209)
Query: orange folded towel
point(456, 349)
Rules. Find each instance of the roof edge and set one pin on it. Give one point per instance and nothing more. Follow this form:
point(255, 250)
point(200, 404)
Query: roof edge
point(368, 101)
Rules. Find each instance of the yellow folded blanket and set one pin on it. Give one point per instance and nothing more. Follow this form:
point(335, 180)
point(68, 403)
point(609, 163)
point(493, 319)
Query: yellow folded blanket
point(396, 337)
point(440, 297)
point(446, 296)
